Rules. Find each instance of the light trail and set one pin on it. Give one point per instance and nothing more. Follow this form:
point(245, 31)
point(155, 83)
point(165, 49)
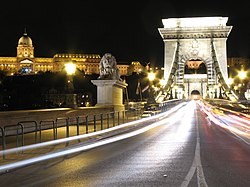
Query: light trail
point(235, 122)
point(63, 140)
point(236, 113)
point(23, 163)
point(241, 119)
point(183, 122)
point(228, 121)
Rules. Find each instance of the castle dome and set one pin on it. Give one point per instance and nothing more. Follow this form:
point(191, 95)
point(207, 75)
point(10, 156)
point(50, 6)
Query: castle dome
point(25, 40)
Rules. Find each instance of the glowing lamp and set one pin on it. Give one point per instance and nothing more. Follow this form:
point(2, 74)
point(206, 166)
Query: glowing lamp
point(242, 74)
point(163, 82)
point(70, 68)
point(151, 76)
point(230, 81)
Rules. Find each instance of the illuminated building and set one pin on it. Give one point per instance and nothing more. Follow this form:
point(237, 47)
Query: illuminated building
point(238, 62)
point(137, 66)
point(26, 63)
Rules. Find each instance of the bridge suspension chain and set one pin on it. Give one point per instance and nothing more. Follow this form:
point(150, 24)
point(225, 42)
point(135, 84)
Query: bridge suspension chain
point(221, 79)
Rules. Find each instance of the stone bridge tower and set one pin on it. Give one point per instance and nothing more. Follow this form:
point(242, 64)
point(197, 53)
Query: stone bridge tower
point(193, 43)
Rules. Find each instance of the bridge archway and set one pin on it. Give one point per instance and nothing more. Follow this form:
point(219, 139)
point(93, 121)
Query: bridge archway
point(201, 39)
point(195, 95)
point(195, 67)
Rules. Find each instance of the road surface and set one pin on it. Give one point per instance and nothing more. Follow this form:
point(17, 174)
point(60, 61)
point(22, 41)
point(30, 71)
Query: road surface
point(181, 149)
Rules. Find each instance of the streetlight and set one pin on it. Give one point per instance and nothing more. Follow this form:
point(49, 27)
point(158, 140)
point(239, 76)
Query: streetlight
point(242, 75)
point(247, 96)
point(151, 77)
point(230, 81)
point(70, 96)
point(175, 91)
point(220, 94)
point(163, 82)
point(162, 85)
point(70, 68)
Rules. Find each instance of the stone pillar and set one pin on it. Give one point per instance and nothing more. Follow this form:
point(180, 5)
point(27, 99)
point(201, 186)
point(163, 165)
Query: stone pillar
point(110, 93)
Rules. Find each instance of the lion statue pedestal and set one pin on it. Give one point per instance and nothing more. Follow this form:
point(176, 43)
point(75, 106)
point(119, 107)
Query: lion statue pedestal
point(110, 93)
point(109, 84)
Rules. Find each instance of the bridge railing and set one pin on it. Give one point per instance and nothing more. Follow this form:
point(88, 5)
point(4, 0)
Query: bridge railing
point(30, 132)
point(166, 105)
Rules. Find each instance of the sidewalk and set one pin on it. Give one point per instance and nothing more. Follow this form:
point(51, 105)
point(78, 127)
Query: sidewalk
point(50, 135)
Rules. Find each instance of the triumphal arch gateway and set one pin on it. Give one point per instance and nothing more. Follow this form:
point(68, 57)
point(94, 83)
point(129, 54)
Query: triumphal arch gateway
point(196, 57)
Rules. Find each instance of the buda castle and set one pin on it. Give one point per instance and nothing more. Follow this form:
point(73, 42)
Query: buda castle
point(26, 63)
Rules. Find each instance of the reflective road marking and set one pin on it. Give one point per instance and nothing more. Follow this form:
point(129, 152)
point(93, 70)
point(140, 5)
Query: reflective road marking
point(196, 165)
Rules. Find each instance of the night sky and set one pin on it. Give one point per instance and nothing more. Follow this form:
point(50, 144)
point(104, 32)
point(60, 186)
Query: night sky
point(126, 29)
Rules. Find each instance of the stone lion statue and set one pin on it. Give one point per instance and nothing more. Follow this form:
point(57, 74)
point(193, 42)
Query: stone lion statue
point(108, 68)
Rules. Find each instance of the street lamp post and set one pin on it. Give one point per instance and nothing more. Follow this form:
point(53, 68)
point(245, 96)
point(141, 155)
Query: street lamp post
point(171, 93)
point(247, 96)
point(220, 92)
point(230, 82)
point(242, 75)
point(163, 83)
point(215, 91)
point(70, 96)
point(175, 92)
point(151, 77)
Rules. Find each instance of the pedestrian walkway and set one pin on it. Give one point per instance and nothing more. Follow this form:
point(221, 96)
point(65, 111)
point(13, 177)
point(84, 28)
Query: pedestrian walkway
point(60, 133)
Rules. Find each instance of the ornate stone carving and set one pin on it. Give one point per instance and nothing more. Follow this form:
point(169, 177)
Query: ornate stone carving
point(108, 68)
point(194, 49)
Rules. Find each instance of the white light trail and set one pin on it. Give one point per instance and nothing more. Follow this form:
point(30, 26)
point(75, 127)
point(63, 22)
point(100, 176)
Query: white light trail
point(63, 140)
point(162, 148)
point(243, 120)
point(87, 147)
point(22, 163)
point(235, 124)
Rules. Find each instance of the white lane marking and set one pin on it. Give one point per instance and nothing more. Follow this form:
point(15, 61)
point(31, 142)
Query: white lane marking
point(196, 165)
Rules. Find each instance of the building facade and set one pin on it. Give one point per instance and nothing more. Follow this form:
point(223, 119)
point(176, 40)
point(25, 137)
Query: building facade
point(236, 62)
point(25, 61)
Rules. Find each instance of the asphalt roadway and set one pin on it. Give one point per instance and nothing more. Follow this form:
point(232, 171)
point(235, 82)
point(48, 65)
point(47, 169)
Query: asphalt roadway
point(180, 149)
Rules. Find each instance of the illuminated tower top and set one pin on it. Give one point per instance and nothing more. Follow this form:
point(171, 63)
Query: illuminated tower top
point(25, 47)
point(195, 27)
point(194, 22)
